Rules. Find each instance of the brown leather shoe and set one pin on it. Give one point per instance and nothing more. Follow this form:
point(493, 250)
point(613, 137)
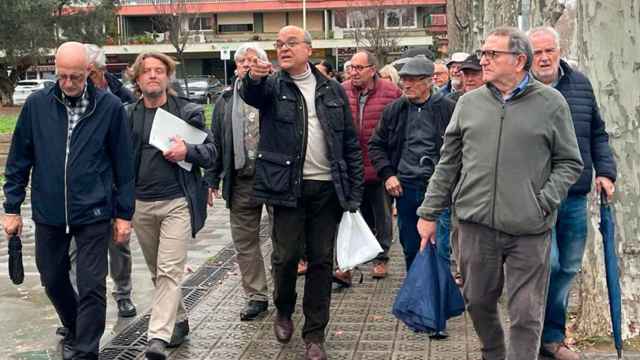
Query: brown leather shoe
point(302, 267)
point(343, 278)
point(379, 270)
point(283, 328)
point(314, 351)
point(559, 351)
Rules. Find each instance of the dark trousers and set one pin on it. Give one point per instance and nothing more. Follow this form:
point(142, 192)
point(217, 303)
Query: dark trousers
point(376, 211)
point(83, 314)
point(491, 260)
point(316, 221)
point(407, 205)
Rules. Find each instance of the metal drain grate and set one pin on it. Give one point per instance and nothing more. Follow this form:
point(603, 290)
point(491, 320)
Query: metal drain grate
point(129, 343)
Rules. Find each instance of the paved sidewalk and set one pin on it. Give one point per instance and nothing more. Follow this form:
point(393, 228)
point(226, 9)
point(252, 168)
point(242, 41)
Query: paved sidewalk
point(361, 325)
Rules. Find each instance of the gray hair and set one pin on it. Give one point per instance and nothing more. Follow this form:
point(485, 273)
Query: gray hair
point(242, 51)
point(518, 43)
point(307, 37)
point(546, 30)
point(96, 56)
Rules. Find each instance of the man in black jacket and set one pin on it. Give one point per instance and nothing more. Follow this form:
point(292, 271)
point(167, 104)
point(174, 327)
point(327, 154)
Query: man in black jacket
point(101, 77)
point(309, 167)
point(568, 245)
point(235, 127)
point(74, 142)
point(171, 201)
point(405, 148)
point(119, 254)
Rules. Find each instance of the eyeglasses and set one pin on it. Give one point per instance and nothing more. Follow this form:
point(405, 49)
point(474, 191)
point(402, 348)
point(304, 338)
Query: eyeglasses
point(359, 68)
point(288, 44)
point(492, 54)
point(73, 77)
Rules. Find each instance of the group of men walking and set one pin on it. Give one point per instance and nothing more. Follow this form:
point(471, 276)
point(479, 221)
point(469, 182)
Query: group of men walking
point(494, 149)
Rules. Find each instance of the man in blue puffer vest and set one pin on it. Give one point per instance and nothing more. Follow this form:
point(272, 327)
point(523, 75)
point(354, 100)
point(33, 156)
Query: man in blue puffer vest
point(74, 141)
point(570, 237)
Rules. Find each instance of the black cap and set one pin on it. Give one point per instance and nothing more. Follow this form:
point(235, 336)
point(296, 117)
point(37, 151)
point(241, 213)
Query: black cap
point(471, 63)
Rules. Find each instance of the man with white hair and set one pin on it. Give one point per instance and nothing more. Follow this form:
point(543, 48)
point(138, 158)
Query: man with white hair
point(102, 79)
point(82, 186)
point(119, 254)
point(235, 126)
point(567, 246)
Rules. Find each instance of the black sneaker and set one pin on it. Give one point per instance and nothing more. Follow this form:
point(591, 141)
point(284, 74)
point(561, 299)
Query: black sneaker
point(439, 335)
point(156, 350)
point(180, 332)
point(126, 308)
point(253, 309)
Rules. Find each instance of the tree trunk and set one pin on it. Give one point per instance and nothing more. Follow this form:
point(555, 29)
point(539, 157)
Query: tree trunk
point(499, 13)
point(607, 35)
point(469, 21)
point(545, 12)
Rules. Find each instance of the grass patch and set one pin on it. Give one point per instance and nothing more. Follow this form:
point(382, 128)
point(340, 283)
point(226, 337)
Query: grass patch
point(208, 111)
point(7, 123)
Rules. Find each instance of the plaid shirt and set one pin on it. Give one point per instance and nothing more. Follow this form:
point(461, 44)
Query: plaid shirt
point(74, 113)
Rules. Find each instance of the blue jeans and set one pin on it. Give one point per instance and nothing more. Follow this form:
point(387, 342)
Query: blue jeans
point(407, 205)
point(567, 248)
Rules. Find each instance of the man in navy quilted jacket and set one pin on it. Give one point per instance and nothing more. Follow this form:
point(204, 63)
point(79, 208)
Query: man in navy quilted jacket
point(571, 228)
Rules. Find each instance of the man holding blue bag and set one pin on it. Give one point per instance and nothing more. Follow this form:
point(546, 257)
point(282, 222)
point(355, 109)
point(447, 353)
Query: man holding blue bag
point(509, 157)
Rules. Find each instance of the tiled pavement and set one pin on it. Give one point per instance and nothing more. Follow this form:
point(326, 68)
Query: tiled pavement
point(361, 327)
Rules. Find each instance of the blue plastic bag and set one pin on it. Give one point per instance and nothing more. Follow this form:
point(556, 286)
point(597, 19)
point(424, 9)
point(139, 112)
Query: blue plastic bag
point(429, 296)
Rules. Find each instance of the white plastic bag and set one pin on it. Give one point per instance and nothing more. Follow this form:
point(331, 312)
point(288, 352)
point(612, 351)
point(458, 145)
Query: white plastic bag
point(356, 243)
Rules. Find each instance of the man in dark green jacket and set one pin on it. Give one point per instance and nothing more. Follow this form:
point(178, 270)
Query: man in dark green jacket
point(509, 157)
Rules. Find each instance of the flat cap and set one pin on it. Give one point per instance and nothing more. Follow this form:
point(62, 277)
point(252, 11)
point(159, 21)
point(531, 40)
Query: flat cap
point(419, 65)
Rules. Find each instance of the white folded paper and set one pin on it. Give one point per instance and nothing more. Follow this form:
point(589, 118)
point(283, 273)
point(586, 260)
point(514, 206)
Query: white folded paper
point(166, 125)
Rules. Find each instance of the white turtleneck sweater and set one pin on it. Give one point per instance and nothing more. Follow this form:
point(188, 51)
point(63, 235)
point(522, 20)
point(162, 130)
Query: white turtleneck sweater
point(316, 164)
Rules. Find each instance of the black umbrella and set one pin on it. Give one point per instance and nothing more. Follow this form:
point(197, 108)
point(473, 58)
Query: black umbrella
point(608, 230)
point(16, 270)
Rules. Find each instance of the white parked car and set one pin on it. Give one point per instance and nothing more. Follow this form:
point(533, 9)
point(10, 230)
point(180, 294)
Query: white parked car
point(24, 88)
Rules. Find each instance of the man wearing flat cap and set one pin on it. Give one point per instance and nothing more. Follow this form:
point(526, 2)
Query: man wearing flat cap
point(406, 145)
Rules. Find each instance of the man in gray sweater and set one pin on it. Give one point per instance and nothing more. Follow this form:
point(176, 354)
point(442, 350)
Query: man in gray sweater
point(509, 157)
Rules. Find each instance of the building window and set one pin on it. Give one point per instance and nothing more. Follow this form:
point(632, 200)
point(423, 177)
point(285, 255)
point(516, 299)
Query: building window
point(400, 18)
point(201, 23)
point(362, 19)
point(369, 18)
point(228, 28)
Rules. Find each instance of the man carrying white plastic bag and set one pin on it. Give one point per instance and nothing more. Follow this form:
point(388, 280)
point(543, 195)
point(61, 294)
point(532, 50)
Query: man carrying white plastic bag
point(356, 243)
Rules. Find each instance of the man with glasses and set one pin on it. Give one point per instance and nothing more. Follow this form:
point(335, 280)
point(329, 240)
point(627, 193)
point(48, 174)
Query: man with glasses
point(440, 74)
point(74, 141)
point(309, 167)
point(104, 80)
point(368, 95)
point(509, 157)
point(405, 146)
point(567, 246)
point(455, 77)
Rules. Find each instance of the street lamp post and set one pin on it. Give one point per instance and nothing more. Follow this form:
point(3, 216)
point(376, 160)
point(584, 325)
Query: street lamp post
point(304, 14)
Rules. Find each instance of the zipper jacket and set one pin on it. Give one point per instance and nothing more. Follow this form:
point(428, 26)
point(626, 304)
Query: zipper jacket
point(283, 138)
point(92, 181)
point(515, 159)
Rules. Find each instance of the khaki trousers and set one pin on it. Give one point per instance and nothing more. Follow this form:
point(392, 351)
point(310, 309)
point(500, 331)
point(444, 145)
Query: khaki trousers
point(245, 218)
point(489, 257)
point(163, 229)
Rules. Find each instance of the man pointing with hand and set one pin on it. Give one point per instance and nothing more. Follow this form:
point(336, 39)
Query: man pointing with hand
point(309, 167)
